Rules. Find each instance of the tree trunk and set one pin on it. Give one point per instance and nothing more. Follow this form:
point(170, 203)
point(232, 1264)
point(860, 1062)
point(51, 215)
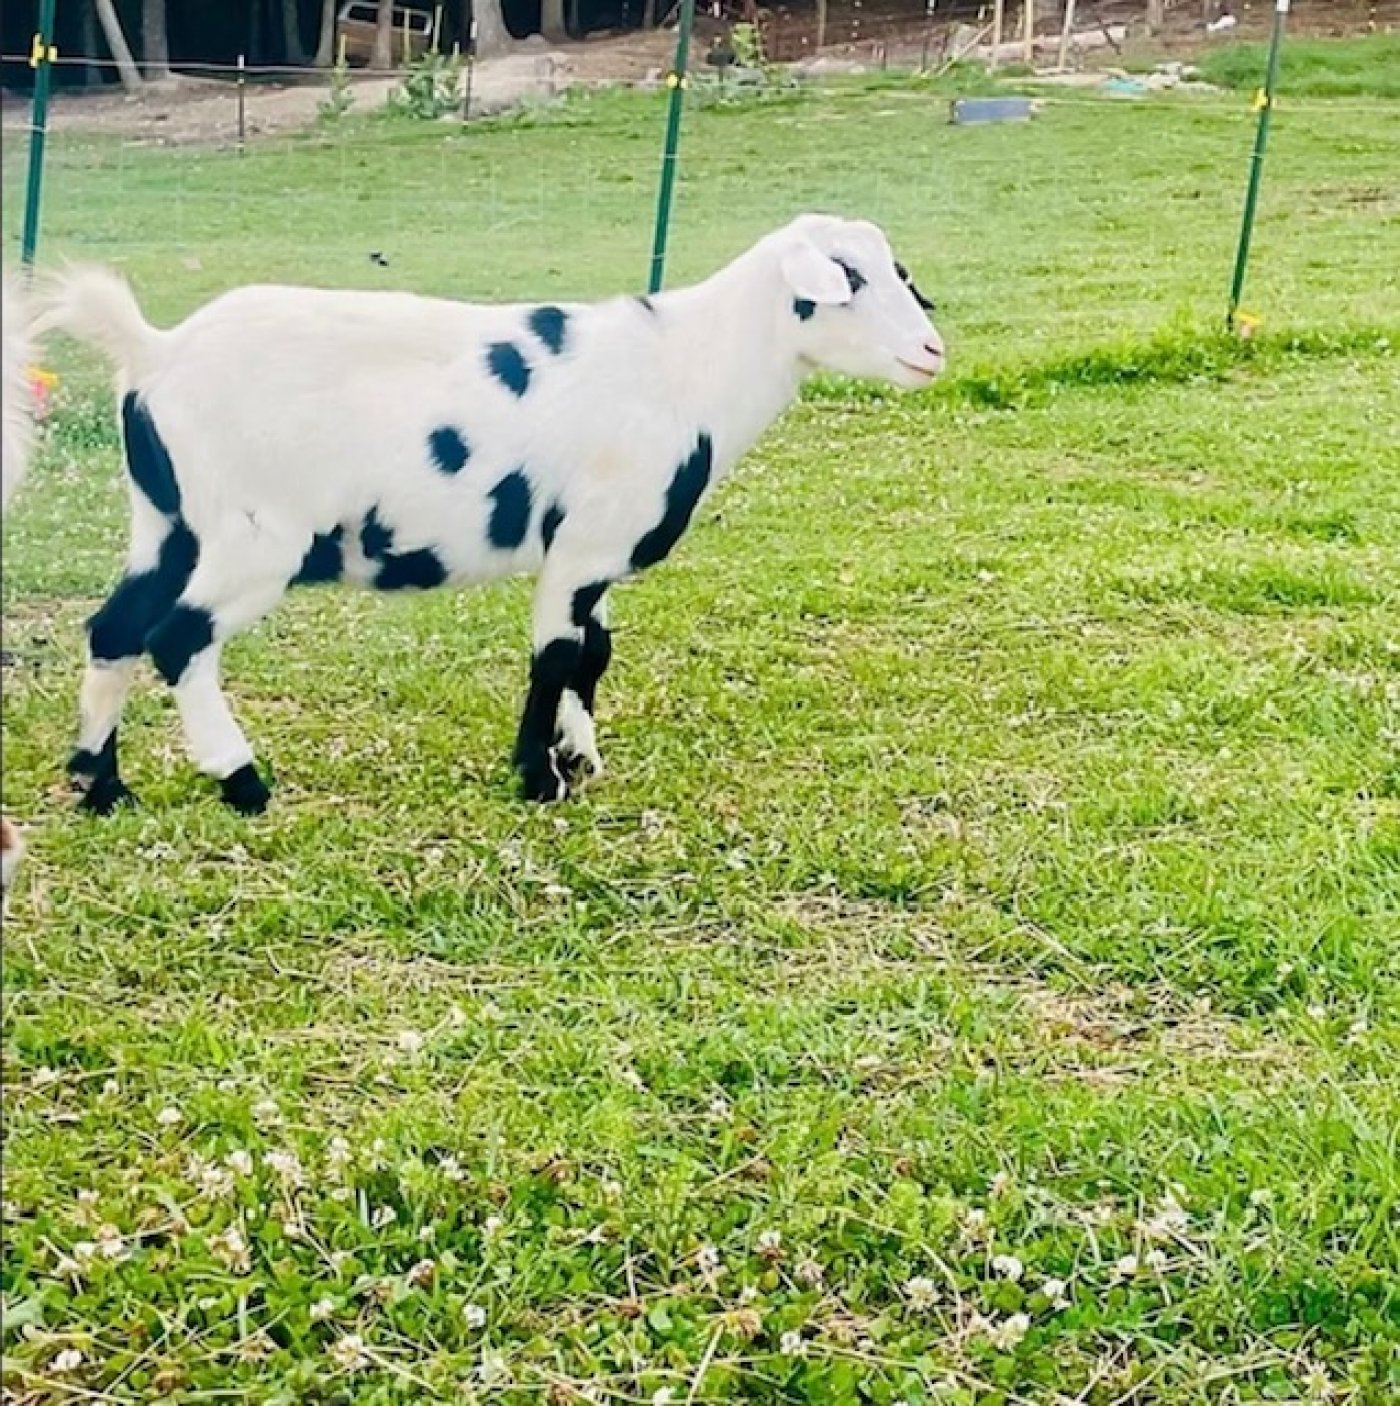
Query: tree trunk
point(492, 36)
point(552, 20)
point(325, 46)
point(92, 73)
point(292, 51)
point(1155, 15)
point(116, 42)
point(383, 55)
point(155, 47)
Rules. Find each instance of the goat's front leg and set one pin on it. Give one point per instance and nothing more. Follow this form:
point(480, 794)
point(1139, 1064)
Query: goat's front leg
point(577, 737)
point(571, 650)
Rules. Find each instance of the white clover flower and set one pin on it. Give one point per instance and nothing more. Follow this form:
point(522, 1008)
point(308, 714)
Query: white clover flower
point(493, 1367)
point(707, 1260)
point(792, 1344)
point(169, 1116)
point(809, 1273)
point(322, 1309)
point(378, 1155)
point(111, 1088)
point(452, 1169)
point(1155, 1260)
point(85, 1251)
point(663, 1396)
point(1169, 1219)
point(69, 1360)
point(411, 1042)
point(720, 1109)
point(921, 1292)
point(256, 1347)
point(1010, 1331)
point(287, 1165)
point(474, 1316)
point(213, 1181)
point(382, 1216)
point(87, 1199)
point(231, 1249)
point(1126, 1267)
point(67, 1268)
point(240, 1162)
point(338, 1153)
point(266, 1111)
point(1008, 1267)
point(421, 1273)
point(1001, 1184)
point(770, 1243)
point(426, 1233)
point(110, 1243)
point(348, 1353)
point(44, 1076)
point(612, 1190)
point(1054, 1290)
point(492, 1226)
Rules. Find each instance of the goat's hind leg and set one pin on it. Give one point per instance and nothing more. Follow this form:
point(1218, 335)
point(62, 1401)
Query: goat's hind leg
point(220, 601)
point(159, 564)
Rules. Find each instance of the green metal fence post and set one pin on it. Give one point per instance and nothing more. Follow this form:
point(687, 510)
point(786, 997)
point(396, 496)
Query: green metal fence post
point(1265, 103)
point(41, 56)
point(677, 82)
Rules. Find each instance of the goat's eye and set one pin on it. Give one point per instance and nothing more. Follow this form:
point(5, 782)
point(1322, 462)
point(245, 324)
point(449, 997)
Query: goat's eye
point(854, 277)
point(902, 274)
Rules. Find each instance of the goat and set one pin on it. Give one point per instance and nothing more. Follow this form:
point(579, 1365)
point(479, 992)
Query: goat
point(285, 436)
point(17, 392)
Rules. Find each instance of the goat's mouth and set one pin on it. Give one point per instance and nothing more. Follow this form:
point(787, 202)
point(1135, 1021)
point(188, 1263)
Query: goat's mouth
point(928, 370)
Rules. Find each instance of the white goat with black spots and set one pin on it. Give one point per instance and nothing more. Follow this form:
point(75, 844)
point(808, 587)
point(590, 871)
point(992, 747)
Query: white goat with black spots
point(290, 435)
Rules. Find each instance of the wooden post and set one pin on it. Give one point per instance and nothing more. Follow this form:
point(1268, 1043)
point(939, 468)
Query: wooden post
point(1065, 31)
point(242, 105)
point(998, 15)
point(1028, 33)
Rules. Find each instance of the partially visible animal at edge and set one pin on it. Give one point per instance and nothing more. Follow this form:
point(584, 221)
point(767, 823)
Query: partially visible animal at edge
point(16, 445)
point(288, 436)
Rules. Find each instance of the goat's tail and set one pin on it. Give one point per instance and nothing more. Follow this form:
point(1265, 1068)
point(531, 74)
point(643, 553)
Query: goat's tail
point(16, 315)
point(97, 306)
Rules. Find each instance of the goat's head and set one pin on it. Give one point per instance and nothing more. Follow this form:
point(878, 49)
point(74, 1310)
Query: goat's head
point(856, 309)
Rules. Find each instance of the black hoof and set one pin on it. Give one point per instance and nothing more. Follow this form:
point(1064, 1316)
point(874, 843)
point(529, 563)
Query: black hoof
point(103, 794)
point(541, 778)
point(245, 791)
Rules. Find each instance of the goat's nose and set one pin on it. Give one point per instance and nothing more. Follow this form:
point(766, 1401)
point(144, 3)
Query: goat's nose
point(934, 347)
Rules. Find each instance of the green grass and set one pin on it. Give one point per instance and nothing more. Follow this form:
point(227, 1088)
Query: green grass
point(1000, 853)
point(1313, 68)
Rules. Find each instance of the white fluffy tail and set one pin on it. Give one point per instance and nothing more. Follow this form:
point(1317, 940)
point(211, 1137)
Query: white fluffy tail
point(17, 440)
point(97, 306)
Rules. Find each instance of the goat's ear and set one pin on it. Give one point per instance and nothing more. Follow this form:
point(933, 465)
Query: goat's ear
point(813, 275)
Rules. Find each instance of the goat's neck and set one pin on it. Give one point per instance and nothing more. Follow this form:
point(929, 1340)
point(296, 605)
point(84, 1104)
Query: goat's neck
point(726, 360)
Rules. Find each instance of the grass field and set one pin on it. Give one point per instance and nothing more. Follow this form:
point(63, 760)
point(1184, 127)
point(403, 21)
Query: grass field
point(976, 979)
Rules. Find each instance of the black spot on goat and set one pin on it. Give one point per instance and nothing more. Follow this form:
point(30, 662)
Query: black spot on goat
point(686, 489)
point(509, 367)
point(550, 324)
point(510, 512)
point(448, 449)
point(147, 459)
